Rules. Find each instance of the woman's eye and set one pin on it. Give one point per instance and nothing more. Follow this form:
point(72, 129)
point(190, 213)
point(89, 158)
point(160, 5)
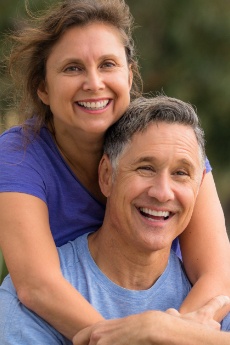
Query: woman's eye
point(108, 64)
point(72, 69)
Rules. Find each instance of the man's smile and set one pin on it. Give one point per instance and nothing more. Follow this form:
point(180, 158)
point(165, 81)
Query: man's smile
point(155, 215)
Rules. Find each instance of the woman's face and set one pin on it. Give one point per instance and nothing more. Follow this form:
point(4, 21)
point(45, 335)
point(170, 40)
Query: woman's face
point(88, 79)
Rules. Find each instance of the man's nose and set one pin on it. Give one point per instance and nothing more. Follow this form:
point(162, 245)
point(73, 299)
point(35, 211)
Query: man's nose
point(93, 81)
point(161, 188)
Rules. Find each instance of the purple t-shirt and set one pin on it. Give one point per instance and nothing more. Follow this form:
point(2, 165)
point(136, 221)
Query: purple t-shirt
point(37, 168)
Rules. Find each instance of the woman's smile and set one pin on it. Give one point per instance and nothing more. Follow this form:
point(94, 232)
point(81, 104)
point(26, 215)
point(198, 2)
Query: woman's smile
point(94, 106)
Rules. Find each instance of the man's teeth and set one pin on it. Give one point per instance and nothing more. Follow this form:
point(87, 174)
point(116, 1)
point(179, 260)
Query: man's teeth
point(94, 105)
point(154, 213)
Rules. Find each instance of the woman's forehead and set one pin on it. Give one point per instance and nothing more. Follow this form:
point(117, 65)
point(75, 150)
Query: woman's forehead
point(99, 38)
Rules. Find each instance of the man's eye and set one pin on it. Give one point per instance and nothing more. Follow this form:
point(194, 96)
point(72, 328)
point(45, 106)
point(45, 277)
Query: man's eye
point(145, 170)
point(181, 173)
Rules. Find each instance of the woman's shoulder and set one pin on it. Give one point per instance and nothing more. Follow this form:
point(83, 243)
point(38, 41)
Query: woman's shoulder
point(11, 140)
point(20, 138)
point(14, 131)
point(24, 152)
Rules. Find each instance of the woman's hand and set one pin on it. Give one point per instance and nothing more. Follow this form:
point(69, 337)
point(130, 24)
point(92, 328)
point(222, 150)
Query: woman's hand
point(206, 314)
point(152, 327)
point(134, 329)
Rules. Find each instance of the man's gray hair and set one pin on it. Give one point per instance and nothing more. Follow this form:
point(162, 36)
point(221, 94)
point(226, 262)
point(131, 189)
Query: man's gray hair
point(144, 111)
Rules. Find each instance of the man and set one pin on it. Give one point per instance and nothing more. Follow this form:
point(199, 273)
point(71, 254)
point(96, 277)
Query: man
point(150, 173)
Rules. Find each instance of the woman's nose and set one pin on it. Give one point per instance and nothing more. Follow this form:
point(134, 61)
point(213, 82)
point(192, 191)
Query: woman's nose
point(93, 81)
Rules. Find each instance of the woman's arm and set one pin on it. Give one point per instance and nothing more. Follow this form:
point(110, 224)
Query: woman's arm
point(205, 249)
point(32, 260)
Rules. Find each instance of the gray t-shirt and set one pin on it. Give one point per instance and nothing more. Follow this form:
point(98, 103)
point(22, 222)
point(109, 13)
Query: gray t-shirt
point(19, 326)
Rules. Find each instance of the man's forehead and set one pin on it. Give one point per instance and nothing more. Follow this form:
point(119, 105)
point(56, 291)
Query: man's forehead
point(172, 139)
point(166, 134)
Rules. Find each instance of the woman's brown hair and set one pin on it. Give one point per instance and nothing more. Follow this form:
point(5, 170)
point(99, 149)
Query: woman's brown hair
point(32, 46)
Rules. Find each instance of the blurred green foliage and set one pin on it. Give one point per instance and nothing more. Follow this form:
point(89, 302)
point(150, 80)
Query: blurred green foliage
point(184, 50)
point(3, 269)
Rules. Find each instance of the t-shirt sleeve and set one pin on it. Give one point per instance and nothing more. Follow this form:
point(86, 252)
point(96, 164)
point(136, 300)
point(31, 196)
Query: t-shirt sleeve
point(21, 166)
point(225, 324)
point(207, 166)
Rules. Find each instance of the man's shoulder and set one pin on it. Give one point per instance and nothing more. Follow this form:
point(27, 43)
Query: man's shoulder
point(73, 254)
point(76, 263)
point(177, 272)
point(72, 249)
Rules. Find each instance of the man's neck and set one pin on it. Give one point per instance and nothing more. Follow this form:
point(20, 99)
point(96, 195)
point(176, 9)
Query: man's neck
point(130, 269)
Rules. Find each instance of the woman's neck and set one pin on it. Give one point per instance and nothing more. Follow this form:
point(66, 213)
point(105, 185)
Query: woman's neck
point(83, 154)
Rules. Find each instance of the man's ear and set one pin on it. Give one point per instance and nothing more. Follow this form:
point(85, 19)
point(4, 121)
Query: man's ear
point(202, 179)
point(43, 93)
point(105, 175)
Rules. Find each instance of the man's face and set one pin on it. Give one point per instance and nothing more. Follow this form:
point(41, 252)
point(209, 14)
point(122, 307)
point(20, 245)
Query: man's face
point(151, 198)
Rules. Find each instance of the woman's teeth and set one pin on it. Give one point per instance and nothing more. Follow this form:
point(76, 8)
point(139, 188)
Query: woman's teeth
point(94, 105)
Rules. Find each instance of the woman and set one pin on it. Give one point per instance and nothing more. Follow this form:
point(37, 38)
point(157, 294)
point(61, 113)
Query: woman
point(77, 67)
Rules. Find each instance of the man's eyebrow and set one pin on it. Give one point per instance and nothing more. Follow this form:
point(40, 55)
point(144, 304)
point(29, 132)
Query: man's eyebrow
point(145, 159)
point(152, 159)
point(186, 162)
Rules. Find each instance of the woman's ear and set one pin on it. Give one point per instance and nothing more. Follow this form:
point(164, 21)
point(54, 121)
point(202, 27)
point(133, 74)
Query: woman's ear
point(105, 175)
point(43, 93)
point(130, 76)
